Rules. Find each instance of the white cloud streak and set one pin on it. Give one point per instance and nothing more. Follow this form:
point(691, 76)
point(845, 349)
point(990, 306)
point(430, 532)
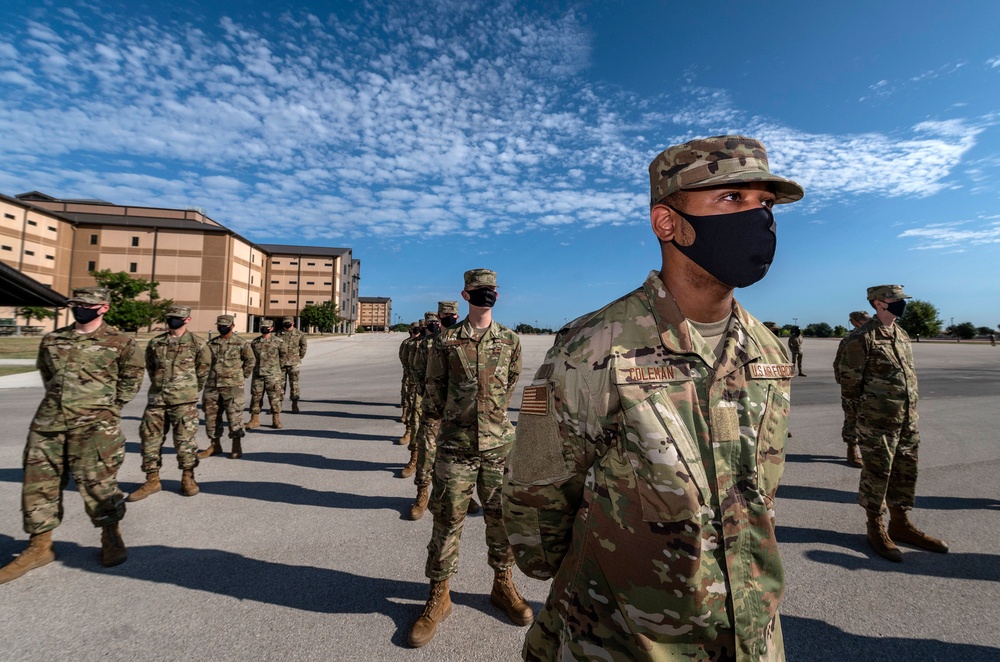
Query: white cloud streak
point(422, 119)
point(957, 236)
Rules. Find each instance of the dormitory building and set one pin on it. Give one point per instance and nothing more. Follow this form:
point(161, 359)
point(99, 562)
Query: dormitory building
point(197, 262)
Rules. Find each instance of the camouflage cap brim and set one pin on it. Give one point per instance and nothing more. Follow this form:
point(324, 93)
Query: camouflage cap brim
point(785, 190)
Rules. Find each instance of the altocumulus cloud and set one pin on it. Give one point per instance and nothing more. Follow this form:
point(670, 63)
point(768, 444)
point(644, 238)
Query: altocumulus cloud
point(420, 118)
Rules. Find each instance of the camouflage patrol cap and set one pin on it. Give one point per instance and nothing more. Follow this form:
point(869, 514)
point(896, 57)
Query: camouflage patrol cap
point(422, 324)
point(476, 278)
point(288, 318)
point(179, 311)
point(225, 320)
point(716, 161)
point(414, 326)
point(447, 308)
point(90, 295)
point(430, 316)
point(266, 323)
point(887, 293)
point(859, 316)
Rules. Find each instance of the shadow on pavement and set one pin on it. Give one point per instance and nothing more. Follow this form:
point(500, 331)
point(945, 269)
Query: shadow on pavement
point(311, 461)
point(345, 414)
point(814, 459)
point(830, 495)
point(802, 535)
point(977, 567)
point(303, 402)
point(817, 641)
point(298, 495)
point(11, 475)
point(810, 493)
point(324, 434)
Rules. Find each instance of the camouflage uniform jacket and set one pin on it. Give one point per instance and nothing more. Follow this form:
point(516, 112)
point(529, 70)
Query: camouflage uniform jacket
point(795, 343)
point(643, 480)
point(270, 353)
point(87, 377)
point(178, 368)
point(876, 369)
point(405, 348)
point(418, 360)
point(295, 346)
point(840, 353)
point(232, 361)
point(469, 384)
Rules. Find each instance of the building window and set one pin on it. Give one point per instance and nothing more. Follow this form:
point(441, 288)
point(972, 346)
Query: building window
point(251, 279)
point(135, 241)
point(310, 264)
point(10, 216)
point(251, 301)
point(330, 264)
point(133, 267)
point(293, 263)
point(293, 282)
point(50, 257)
point(308, 301)
point(274, 282)
point(51, 229)
point(309, 282)
point(252, 258)
point(343, 288)
point(293, 301)
point(93, 240)
point(275, 261)
point(29, 252)
point(32, 223)
point(328, 283)
point(91, 266)
point(6, 248)
point(274, 301)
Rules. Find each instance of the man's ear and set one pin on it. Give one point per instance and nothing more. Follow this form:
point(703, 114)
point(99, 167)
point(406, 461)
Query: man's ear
point(663, 221)
point(465, 295)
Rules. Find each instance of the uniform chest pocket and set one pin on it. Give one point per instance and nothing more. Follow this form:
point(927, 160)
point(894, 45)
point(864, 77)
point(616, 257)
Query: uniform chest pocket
point(772, 435)
point(669, 476)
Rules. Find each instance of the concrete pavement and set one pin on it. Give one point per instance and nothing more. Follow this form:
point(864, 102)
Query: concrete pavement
point(301, 550)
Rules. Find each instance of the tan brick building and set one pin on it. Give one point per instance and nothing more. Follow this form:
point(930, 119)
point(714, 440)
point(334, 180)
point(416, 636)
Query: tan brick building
point(197, 261)
point(375, 313)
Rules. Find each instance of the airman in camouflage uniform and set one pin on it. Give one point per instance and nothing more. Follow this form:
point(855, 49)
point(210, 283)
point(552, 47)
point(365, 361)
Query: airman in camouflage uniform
point(471, 374)
point(795, 348)
point(295, 350)
point(651, 441)
point(232, 363)
point(90, 371)
point(413, 413)
point(404, 390)
point(876, 370)
point(178, 363)
point(850, 407)
point(268, 375)
point(417, 369)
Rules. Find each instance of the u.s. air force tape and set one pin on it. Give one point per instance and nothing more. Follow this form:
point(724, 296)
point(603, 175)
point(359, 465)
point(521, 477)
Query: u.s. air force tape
point(771, 370)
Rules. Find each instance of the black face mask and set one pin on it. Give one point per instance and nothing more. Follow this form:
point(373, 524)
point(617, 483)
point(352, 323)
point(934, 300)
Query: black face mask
point(735, 248)
point(223, 330)
point(85, 315)
point(175, 322)
point(287, 325)
point(897, 308)
point(265, 330)
point(449, 321)
point(483, 297)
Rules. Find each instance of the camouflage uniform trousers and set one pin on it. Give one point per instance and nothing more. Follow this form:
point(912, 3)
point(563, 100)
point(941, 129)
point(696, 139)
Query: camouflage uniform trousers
point(796, 359)
point(92, 455)
point(414, 420)
point(228, 399)
point(273, 386)
point(426, 452)
point(456, 475)
point(290, 373)
point(183, 418)
point(850, 429)
point(889, 455)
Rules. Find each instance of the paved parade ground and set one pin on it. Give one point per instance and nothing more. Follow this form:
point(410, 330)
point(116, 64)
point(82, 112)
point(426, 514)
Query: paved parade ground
point(302, 551)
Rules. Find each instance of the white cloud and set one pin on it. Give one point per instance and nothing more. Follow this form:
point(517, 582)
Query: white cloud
point(957, 235)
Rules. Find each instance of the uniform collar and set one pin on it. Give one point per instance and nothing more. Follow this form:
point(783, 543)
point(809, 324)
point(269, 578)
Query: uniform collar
point(466, 331)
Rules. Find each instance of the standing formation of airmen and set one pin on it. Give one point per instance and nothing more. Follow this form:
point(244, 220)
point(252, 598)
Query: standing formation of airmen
point(643, 474)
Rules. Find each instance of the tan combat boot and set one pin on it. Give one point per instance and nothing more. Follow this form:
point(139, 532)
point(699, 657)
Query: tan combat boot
point(854, 455)
point(901, 529)
point(405, 439)
point(254, 422)
point(276, 421)
point(473, 508)
point(506, 596)
point(188, 485)
point(113, 550)
point(411, 466)
point(237, 451)
point(151, 486)
point(879, 539)
point(420, 505)
point(215, 446)
point(38, 553)
point(295, 406)
point(437, 609)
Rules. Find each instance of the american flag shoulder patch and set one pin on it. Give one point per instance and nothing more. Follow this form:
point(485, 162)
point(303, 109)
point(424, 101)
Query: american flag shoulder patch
point(535, 400)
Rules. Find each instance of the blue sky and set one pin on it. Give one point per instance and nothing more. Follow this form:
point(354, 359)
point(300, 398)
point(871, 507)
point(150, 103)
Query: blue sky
point(434, 137)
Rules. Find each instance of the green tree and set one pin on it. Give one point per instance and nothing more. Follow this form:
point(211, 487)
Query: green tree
point(964, 331)
point(323, 316)
point(401, 327)
point(839, 331)
point(38, 313)
point(819, 330)
point(984, 330)
point(920, 319)
point(128, 312)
